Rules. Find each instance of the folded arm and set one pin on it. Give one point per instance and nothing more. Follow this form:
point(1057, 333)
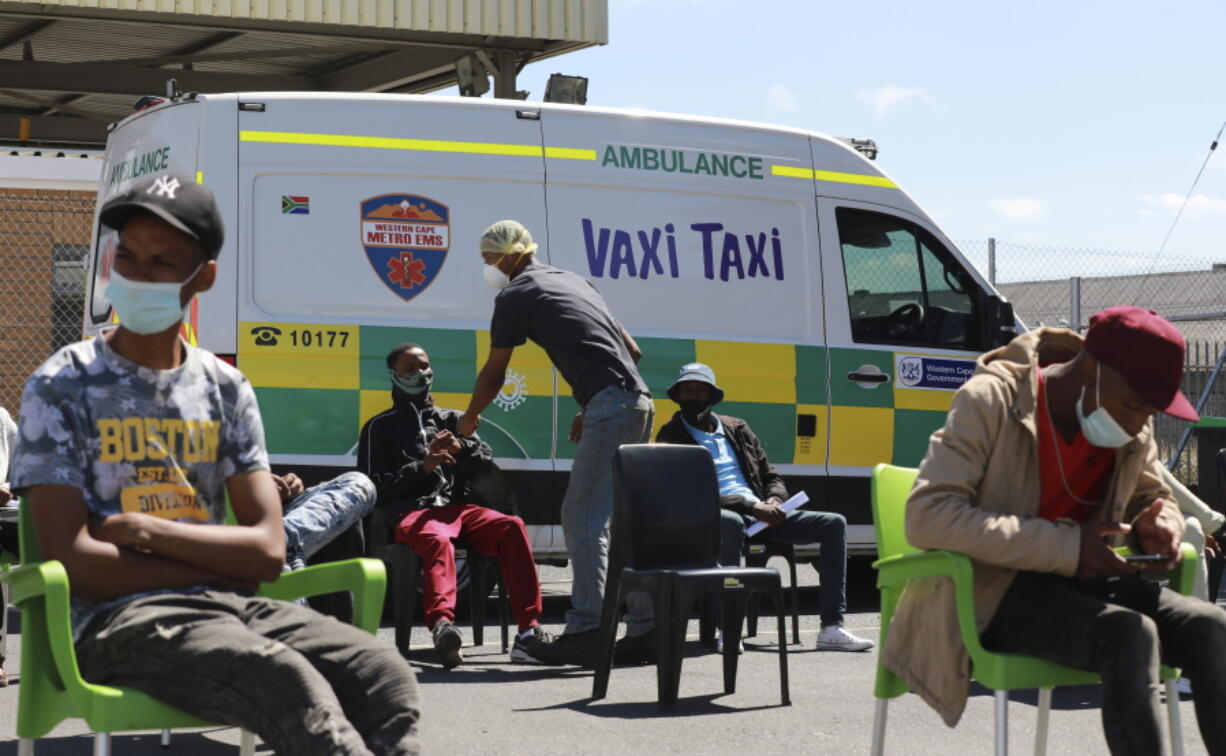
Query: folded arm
point(101, 569)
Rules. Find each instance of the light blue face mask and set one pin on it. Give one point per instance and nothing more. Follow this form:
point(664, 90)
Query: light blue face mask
point(145, 307)
point(1099, 427)
point(415, 385)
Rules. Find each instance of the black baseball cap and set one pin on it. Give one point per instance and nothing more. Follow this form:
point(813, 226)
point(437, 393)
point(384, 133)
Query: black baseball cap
point(178, 200)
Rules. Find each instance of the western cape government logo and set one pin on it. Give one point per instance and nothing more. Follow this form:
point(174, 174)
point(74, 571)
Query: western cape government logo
point(406, 238)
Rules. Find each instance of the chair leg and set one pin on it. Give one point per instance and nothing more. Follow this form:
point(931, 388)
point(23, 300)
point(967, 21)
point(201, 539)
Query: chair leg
point(478, 592)
point(734, 610)
point(751, 615)
point(25, 747)
point(784, 692)
point(609, 616)
point(406, 568)
point(671, 620)
point(504, 616)
point(102, 744)
point(1040, 728)
point(1172, 713)
point(794, 595)
point(165, 739)
point(1002, 722)
point(246, 743)
point(879, 717)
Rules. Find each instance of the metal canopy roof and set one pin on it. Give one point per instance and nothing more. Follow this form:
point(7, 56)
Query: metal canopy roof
point(69, 68)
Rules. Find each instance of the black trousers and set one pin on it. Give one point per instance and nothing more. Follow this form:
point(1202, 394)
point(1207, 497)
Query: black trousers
point(1122, 629)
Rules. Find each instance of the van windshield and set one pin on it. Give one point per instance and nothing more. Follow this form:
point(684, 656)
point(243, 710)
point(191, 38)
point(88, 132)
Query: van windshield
point(904, 286)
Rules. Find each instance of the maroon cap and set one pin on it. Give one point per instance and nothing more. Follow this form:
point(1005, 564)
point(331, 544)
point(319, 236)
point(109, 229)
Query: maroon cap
point(1147, 350)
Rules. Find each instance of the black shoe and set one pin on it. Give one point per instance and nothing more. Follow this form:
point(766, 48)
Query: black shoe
point(537, 648)
point(636, 649)
point(447, 642)
point(578, 649)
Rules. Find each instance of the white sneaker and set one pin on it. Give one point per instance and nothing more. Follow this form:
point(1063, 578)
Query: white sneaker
point(719, 643)
point(1184, 686)
point(836, 638)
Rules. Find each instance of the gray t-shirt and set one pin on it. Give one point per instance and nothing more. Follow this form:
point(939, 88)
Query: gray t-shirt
point(567, 317)
point(134, 439)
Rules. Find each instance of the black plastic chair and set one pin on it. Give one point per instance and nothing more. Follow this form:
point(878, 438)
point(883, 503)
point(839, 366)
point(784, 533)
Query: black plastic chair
point(665, 542)
point(405, 574)
point(757, 554)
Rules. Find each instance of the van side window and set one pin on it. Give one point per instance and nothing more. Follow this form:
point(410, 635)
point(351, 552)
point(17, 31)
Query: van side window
point(99, 306)
point(904, 286)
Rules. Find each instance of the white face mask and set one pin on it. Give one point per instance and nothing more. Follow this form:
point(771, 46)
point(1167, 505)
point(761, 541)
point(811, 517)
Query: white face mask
point(495, 277)
point(145, 307)
point(1100, 428)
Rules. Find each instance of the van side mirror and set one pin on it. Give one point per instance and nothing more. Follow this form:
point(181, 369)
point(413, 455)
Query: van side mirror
point(1001, 323)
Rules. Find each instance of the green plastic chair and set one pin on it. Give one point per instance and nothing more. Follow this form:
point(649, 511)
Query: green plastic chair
point(900, 562)
point(52, 688)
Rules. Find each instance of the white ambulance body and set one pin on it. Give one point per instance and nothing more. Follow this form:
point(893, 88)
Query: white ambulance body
point(838, 318)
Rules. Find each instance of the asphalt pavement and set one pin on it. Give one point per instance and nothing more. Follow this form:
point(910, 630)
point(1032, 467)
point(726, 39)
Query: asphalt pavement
point(491, 706)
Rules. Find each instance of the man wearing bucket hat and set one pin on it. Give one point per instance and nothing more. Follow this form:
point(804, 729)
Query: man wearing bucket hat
point(751, 489)
point(567, 317)
point(1047, 454)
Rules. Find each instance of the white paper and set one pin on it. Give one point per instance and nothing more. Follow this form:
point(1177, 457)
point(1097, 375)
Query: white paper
point(786, 506)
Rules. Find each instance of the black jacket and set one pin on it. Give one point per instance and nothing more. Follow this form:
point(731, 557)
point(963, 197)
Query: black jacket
point(757, 469)
point(391, 450)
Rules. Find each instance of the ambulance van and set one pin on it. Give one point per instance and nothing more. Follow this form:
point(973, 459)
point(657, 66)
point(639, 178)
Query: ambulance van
point(837, 316)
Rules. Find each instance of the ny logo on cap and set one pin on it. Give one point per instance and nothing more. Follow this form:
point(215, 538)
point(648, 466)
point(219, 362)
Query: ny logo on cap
point(165, 186)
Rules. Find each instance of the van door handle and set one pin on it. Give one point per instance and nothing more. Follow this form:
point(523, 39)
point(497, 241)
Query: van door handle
point(868, 376)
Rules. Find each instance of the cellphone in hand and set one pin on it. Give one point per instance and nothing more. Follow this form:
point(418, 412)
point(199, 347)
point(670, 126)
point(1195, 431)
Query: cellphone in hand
point(1146, 558)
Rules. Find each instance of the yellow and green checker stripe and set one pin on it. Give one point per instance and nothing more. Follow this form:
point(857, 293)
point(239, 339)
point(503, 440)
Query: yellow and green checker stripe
point(315, 396)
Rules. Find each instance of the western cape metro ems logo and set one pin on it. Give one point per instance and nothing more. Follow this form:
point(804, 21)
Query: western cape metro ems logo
point(406, 238)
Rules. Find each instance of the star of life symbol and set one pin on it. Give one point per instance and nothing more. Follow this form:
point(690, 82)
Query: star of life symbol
point(165, 186)
point(514, 391)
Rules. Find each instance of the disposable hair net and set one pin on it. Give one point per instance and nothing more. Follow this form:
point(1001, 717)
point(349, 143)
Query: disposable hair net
point(507, 237)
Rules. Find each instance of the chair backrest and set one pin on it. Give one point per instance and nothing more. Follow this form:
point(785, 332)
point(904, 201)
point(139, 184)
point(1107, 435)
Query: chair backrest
point(891, 486)
point(666, 507)
point(492, 490)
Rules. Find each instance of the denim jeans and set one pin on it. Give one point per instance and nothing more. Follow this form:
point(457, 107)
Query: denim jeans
point(1121, 629)
point(799, 527)
point(303, 682)
point(323, 512)
point(611, 418)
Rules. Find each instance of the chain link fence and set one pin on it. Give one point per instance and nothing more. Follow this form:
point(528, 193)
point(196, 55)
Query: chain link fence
point(44, 240)
point(1064, 286)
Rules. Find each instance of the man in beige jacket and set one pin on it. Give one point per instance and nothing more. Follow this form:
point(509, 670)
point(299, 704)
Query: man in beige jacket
point(1047, 454)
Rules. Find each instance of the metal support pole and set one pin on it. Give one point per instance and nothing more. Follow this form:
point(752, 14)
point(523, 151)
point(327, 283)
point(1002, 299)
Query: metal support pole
point(992, 261)
point(504, 81)
point(1074, 307)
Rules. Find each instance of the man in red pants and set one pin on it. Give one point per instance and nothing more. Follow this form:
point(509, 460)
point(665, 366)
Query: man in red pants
point(421, 468)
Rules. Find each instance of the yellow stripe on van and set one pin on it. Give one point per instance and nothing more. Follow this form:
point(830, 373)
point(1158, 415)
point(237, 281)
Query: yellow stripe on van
point(570, 153)
point(416, 145)
point(791, 171)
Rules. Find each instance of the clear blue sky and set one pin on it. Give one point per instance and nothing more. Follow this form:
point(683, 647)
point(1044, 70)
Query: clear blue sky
point(1074, 124)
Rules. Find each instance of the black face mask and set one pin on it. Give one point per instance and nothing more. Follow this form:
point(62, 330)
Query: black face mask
point(696, 412)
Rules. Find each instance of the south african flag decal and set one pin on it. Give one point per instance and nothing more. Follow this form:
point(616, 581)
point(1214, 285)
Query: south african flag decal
point(291, 205)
